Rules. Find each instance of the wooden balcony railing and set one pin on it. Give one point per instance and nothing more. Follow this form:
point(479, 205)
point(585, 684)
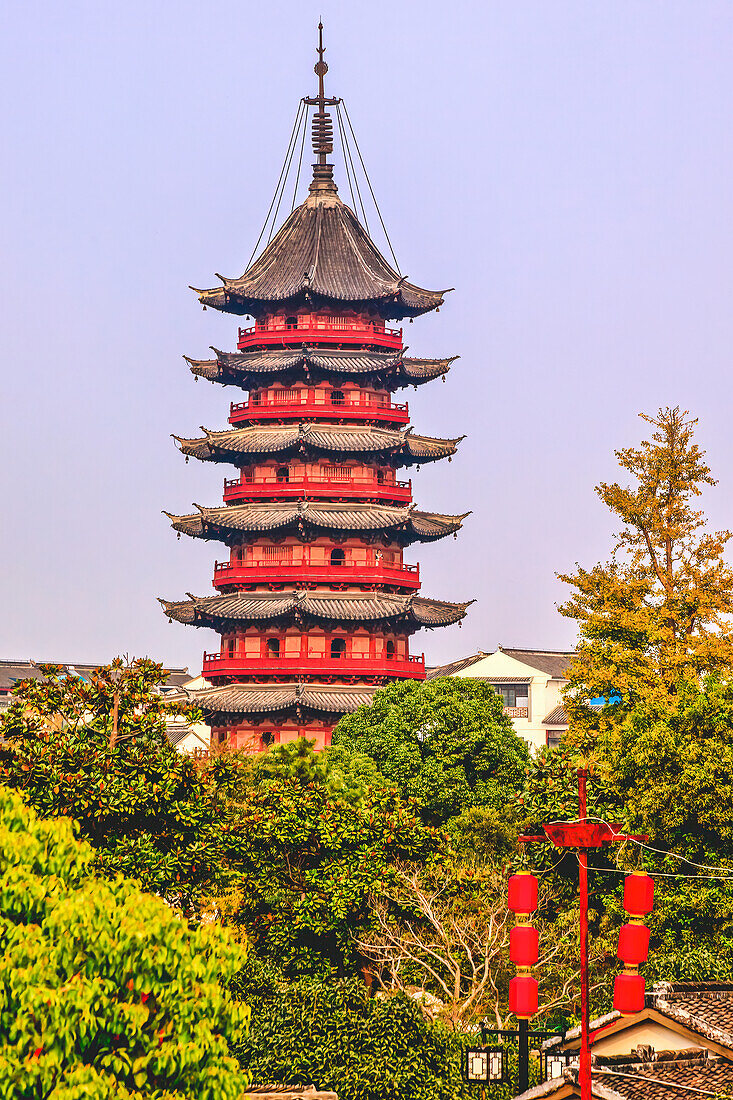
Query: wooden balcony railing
point(347, 488)
point(228, 573)
point(516, 712)
point(320, 331)
point(350, 665)
point(267, 409)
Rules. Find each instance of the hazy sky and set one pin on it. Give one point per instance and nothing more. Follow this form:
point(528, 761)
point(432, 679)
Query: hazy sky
point(567, 166)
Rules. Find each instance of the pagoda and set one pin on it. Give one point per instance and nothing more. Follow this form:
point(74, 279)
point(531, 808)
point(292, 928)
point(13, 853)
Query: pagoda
point(314, 603)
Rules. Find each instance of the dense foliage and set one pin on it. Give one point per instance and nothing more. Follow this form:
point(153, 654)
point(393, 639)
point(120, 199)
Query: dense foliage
point(146, 809)
point(334, 1035)
point(107, 993)
point(445, 743)
point(308, 861)
point(659, 612)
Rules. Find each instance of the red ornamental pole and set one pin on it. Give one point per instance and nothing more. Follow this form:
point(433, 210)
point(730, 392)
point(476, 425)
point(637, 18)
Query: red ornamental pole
point(584, 1074)
point(582, 835)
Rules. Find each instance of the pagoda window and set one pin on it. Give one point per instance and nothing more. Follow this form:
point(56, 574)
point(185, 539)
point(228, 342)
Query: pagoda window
point(248, 475)
point(291, 322)
point(231, 645)
point(338, 649)
point(285, 397)
point(277, 555)
point(338, 397)
point(256, 398)
point(283, 474)
point(338, 557)
point(389, 650)
point(380, 477)
point(273, 647)
point(337, 473)
point(267, 739)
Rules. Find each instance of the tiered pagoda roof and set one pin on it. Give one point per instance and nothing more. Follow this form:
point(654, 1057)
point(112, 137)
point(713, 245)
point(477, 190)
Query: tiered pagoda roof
point(248, 368)
point(232, 700)
point(403, 523)
point(241, 608)
point(320, 293)
point(309, 437)
point(321, 253)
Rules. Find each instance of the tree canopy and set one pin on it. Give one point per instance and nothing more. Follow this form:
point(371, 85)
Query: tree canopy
point(146, 809)
point(107, 993)
point(445, 743)
point(659, 611)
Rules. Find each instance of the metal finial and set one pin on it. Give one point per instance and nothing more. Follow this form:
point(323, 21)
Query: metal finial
point(322, 124)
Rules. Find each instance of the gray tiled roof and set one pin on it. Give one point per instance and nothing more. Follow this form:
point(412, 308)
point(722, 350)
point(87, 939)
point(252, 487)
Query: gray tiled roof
point(232, 445)
point(554, 662)
point(247, 368)
point(247, 607)
point(321, 251)
point(556, 717)
point(276, 698)
point(226, 523)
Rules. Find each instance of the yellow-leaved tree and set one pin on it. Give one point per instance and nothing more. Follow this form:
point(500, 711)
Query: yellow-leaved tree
point(658, 613)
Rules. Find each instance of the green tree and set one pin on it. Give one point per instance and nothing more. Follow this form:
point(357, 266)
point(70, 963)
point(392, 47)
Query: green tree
point(345, 774)
point(659, 611)
point(336, 1036)
point(107, 993)
point(307, 861)
point(446, 743)
point(670, 768)
point(146, 809)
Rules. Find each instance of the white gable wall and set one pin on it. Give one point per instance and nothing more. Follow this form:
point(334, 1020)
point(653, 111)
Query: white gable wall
point(544, 691)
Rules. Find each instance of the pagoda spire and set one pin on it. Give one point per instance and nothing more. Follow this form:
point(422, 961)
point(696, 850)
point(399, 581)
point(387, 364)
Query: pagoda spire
point(322, 132)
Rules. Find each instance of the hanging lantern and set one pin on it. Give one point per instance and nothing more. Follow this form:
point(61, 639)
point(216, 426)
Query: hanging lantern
point(522, 893)
point(523, 996)
point(633, 944)
point(524, 945)
point(628, 994)
point(638, 894)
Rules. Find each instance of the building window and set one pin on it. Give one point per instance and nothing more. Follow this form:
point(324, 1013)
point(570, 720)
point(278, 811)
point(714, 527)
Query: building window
point(248, 476)
point(283, 474)
point(285, 397)
point(337, 473)
point(380, 477)
point(291, 322)
point(554, 737)
point(338, 649)
point(389, 650)
point(513, 695)
point(256, 398)
point(230, 648)
point(338, 557)
point(267, 739)
point(338, 397)
point(273, 647)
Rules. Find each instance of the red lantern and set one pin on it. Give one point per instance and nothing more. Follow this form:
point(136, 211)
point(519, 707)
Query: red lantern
point(523, 997)
point(524, 945)
point(628, 994)
point(633, 944)
point(522, 893)
point(638, 894)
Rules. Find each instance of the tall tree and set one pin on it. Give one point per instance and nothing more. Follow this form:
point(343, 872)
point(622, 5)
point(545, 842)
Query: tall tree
point(446, 743)
point(107, 992)
point(95, 749)
point(658, 612)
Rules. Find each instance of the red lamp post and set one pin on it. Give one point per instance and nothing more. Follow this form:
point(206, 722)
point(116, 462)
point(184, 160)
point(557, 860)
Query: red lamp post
point(584, 835)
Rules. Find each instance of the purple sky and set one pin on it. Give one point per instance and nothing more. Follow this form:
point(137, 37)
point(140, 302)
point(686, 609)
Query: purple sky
point(567, 166)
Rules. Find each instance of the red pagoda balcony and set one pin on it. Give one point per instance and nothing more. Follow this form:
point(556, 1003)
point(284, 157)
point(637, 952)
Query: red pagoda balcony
point(320, 330)
point(354, 665)
point(298, 403)
point(355, 488)
point(228, 574)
